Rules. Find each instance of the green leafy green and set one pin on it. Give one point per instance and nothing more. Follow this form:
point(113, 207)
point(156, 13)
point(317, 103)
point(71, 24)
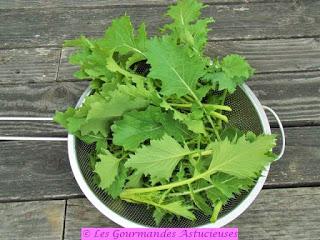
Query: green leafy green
point(186, 27)
point(242, 159)
point(120, 36)
point(156, 117)
point(173, 65)
point(107, 169)
point(232, 71)
point(137, 126)
point(159, 159)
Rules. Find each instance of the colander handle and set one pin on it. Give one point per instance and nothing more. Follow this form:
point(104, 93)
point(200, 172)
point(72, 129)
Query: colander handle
point(281, 131)
point(22, 138)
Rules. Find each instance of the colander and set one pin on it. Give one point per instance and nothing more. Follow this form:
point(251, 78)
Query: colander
point(248, 114)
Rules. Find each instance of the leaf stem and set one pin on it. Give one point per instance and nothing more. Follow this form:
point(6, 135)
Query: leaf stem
point(126, 193)
point(189, 98)
point(197, 190)
point(188, 192)
point(208, 106)
point(224, 95)
point(220, 117)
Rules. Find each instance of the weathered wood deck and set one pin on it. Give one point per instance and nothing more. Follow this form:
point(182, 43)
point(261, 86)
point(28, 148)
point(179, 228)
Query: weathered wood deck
point(39, 196)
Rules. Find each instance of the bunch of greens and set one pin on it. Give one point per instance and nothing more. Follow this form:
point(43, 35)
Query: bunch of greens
point(157, 117)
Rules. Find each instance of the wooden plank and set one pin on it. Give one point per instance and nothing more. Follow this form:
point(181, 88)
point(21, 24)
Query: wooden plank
point(300, 164)
point(37, 100)
point(294, 96)
point(32, 220)
point(40, 99)
point(100, 3)
point(281, 214)
point(81, 213)
point(277, 55)
point(37, 170)
point(40, 27)
point(273, 55)
point(29, 65)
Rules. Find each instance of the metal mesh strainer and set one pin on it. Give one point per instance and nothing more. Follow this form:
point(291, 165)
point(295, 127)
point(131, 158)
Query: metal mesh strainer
point(248, 114)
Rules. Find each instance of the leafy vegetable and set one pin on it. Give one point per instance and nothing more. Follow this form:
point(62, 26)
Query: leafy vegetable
point(157, 117)
point(178, 72)
point(158, 159)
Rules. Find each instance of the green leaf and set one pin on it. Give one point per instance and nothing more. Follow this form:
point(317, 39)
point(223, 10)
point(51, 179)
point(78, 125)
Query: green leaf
point(141, 37)
point(136, 127)
point(174, 128)
point(107, 169)
point(178, 71)
point(118, 184)
point(62, 117)
point(134, 180)
point(236, 67)
point(200, 202)
point(158, 215)
point(229, 185)
point(114, 67)
point(202, 91)
point(223, 81)
point(196, 126)
point(136, 57)
point(76, 123)
point(200, 30)
point(231, 72)
point(176, 114)
point(152, 123)
point(119, 103)
point(91, 57)
point(120, 36)
point(159, 159)
point(179, 209)
point(186, 27)
point(185, 12)
point(242, 159)
point(194, 120)
point(216, 211)
point(81, 42)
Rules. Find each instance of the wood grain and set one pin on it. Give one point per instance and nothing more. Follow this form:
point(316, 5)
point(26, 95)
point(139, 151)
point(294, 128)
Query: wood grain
point(100, 3)
point(294, 96)
point(281, 214)
point(300, 164)
point(40, 170)
point(20, 66)
point(47, 27)
point(32, 220)
point(273, 55)
point(80, 213)
point(35, 170)
point(40, 99)
point(36, 100)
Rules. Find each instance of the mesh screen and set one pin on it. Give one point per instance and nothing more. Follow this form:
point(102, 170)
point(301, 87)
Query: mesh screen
point(243, 116)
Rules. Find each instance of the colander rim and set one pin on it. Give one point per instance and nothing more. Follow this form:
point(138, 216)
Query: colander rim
point(113, 216)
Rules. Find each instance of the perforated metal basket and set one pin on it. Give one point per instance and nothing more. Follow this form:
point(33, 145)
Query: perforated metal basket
point(248, 114)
